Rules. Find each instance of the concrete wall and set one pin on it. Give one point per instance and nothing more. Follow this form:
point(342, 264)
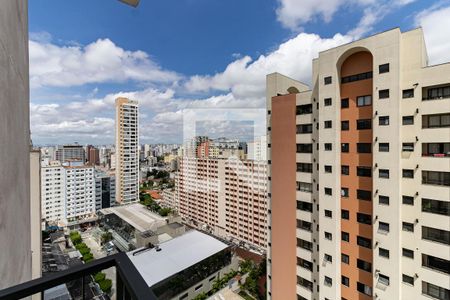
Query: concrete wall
point(15, 251)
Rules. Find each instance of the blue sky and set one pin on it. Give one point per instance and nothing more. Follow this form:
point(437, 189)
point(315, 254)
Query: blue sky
point(173, 55)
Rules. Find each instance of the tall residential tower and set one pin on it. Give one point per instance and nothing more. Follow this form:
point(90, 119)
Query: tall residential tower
point(127, 151)
point(359, 174)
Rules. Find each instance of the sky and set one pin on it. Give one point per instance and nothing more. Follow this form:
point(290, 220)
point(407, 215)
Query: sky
point(180, 58)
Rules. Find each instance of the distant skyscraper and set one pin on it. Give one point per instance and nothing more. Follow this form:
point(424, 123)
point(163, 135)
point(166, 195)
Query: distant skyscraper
point(127, 151)
point(70, 153)
point(94, 156)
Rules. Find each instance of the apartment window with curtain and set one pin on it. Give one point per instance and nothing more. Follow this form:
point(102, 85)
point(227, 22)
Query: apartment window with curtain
point(436, 121)
point(436, 178)
point(364, 100)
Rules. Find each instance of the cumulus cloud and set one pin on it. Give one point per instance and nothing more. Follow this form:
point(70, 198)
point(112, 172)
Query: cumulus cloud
point(98, 62)
point(435, 22)
point(246, 77)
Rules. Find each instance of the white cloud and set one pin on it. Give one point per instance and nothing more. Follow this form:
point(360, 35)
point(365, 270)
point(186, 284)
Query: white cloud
point(98, 62)
point(246, 78)
point(436, 26)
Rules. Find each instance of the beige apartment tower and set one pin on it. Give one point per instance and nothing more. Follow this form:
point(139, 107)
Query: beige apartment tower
point(359, 174)
point(127, 151)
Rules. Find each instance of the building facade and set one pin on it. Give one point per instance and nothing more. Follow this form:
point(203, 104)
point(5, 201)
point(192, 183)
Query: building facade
point(359, 174)
point(257, 149)
point(105, 190)
point(127, 151)
point(67, 193)
point(73, 152)
point(228, 197)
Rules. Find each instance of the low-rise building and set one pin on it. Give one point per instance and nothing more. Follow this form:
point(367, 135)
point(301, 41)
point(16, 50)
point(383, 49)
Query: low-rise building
point(185, 266)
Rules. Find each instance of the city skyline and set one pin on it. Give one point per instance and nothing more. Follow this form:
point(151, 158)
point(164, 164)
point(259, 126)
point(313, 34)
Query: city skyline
point(210, 67)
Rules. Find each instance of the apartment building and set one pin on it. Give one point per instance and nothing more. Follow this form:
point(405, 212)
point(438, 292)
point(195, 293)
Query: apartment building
point(257, 149)
point(359, 174)
point(127, 151)
point(70, 152)
point(228, 197)
point(67, 192)
point(105, 190)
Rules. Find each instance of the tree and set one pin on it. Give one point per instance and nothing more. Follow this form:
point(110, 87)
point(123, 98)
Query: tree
point(201, 296)
point(99, 277)
point(106, 237)
point(75, 237)
point(88, 257)
point(105, 285)
point(163, 212)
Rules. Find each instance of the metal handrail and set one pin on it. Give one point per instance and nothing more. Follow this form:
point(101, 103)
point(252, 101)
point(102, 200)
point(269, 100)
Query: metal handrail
point(129, 282)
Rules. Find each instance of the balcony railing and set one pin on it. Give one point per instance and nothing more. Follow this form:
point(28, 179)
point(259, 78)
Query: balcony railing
point(129, 283)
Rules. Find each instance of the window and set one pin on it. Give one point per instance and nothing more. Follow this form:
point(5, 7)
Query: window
point(304, 148)
point(327, 102)
point(364, 265)
point(328, 213)
point(383, 120)
point(383, 279)
point(305, 283)
point(304, 128)
point(436, 121)
point(384, 68)
point(327, 80)
point(364, 242)
point(408, 253)
point(364, 100)
point(363, 124)
point(407, 200)
point(382, 226)
point(184, 296)
point(345, 258)
point(383, 94)
point(408, 120)
point(436, 178)
point(304, 187)
point(438, 93)
point(304, 167)
point(364, 218)
point(407, 226)
point(198, 287)
point(345, 236)
point(327, 124)
point(328, 281)
point(435, 291)
point(357, 77)
point(383, 252)
point(408, 147)
point(436, 207)
point(383, 173)
point(364, 171)
point(436, 235)
point(328, 169)
point(344, 192)
point(365, 289)
point(383, 147)
point(345, 147)
point(304, 244)
point(345, 281)
point(345, 125)
point(364, 147)
point(345, 170)
point(328, 146)
point(409, 93)
point(345, 214)
point(408, 173)
point(383, 200)
point(304, 225)
point(436, 263)
point(305, 264)
point(408, 279)
point(304, 109)
point(328, 191)
point(436, 149)
point(305, 206)
point(328, 236)
point(364, 195)
point(344, 103)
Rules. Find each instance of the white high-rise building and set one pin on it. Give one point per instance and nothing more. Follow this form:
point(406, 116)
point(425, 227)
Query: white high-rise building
point(257, 149)
point(67, 192)
point(127, 151)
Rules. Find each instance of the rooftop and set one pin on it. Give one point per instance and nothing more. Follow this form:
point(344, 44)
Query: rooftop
point(176, 255)
point(137, 216)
